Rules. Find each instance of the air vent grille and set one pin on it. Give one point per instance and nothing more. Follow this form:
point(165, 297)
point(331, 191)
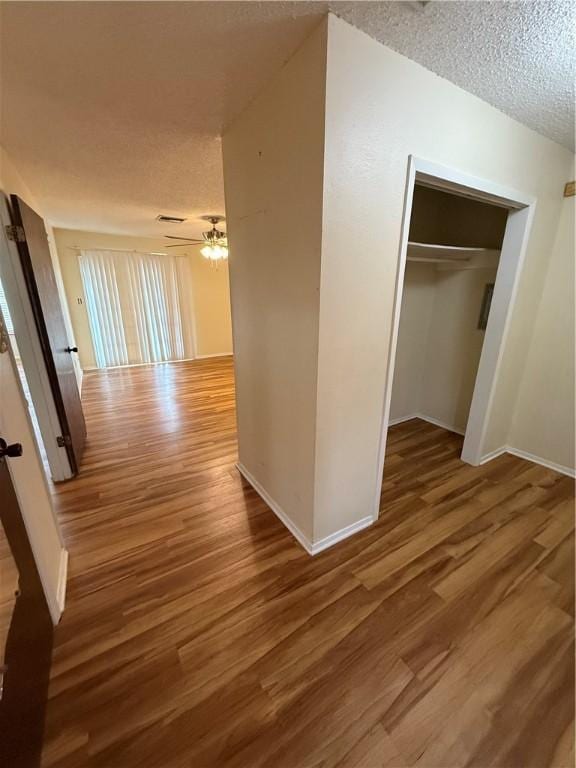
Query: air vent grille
point(170, 219)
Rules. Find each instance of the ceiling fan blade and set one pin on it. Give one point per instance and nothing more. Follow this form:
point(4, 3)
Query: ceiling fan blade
point(183, 245)
point(189, 239)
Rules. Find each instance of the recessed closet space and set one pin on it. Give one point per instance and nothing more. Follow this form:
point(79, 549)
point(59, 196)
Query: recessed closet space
point(452, 260)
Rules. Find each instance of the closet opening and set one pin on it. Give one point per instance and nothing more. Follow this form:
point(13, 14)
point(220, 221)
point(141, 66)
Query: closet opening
point(462, 247)
point(451, 265)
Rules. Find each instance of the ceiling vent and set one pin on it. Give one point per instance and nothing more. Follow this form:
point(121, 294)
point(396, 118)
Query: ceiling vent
point(170, 219)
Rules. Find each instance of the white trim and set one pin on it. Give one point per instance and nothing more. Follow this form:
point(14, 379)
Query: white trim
point(158, 362)
point(442, 424)
point(493, 455)
point(497, 451)
point(62, 578)
point(277, 509)
point(506, 284)
point(53, 604)
point(140, 365)
point(214, 354)
point(402, 419)
point(429, 419)
point(313, 548)
point(451, 179)
point(543, 462)
point(568, 471)
point(343, 533)
point(402, 254)
point(511, 260)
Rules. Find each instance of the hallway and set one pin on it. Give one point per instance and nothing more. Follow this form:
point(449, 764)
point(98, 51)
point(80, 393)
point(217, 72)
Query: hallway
point(198, 633)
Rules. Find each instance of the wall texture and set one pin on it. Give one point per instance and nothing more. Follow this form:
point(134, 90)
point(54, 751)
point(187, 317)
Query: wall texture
point(211, 299)
point(273, 160)
point(543, 422)
point(380, 108)
point(415, 318)
point(338, 292)
point(439, 344)
point(454, 346)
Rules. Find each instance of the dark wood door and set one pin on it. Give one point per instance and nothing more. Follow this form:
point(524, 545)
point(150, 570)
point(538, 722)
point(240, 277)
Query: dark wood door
point(26, 638)
point(38, 272)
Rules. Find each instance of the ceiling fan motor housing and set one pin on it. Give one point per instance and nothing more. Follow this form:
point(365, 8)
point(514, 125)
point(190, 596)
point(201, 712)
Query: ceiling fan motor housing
point(213, 235)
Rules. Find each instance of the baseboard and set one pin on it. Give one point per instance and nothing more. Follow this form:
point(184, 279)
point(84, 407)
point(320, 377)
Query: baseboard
point(56, 602)
point(492, 455)
point(441, 424)
point(543, 462)
point(156, 362)
point(300, 537)
point(313, 548)
point(402, 419)
point(528, 457)
point(159, 362)
point(216, 354)
point(343, 533)
point(495, 453)
point(429, 419)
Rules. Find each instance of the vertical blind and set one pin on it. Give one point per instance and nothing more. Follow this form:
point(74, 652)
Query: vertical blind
point(139, 307)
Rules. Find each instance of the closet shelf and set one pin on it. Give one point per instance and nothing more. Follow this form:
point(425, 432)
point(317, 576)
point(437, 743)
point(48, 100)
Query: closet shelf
point(446, 254)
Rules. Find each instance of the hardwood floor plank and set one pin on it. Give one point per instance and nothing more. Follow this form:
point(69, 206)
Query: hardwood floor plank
point(489, 552)
point(199, 634)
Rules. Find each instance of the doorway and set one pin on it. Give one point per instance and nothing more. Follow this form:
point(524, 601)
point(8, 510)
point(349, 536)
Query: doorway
point(35, 309)
point(9, 325)
point(460, 259)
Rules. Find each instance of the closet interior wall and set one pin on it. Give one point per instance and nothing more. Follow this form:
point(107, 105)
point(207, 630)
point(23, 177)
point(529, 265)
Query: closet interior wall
point(439, 342)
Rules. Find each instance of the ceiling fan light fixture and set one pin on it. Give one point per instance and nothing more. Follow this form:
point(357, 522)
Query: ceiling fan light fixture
point(214, 252)
point(214, 242)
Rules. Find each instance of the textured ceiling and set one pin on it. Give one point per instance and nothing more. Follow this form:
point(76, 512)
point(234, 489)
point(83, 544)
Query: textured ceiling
point(518, 56)
point(113, 110)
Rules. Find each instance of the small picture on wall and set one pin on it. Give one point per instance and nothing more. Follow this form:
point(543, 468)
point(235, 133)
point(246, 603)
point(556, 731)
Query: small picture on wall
point(485, 308)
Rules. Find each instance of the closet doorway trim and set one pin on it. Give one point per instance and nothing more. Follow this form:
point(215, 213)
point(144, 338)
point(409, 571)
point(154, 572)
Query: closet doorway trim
point(521, 212)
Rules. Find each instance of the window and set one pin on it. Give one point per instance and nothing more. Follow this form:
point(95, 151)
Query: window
point(139, 307)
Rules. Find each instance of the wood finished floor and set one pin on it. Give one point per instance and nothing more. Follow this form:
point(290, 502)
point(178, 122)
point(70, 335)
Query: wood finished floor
point(198, 633)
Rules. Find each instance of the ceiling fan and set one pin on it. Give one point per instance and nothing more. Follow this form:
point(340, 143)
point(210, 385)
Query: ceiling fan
point(214, 243)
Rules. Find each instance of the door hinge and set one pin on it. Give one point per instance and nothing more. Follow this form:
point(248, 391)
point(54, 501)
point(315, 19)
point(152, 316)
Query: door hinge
point(15, 233)
point(63, 441)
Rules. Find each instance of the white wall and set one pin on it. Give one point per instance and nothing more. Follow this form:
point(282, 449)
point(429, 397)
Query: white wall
point(439, 344)
point(27, 472)
point(210, 301)
point(543, 423)
point(380, 108)
point(454, 346)
point(415, 319)
point(273, 162)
